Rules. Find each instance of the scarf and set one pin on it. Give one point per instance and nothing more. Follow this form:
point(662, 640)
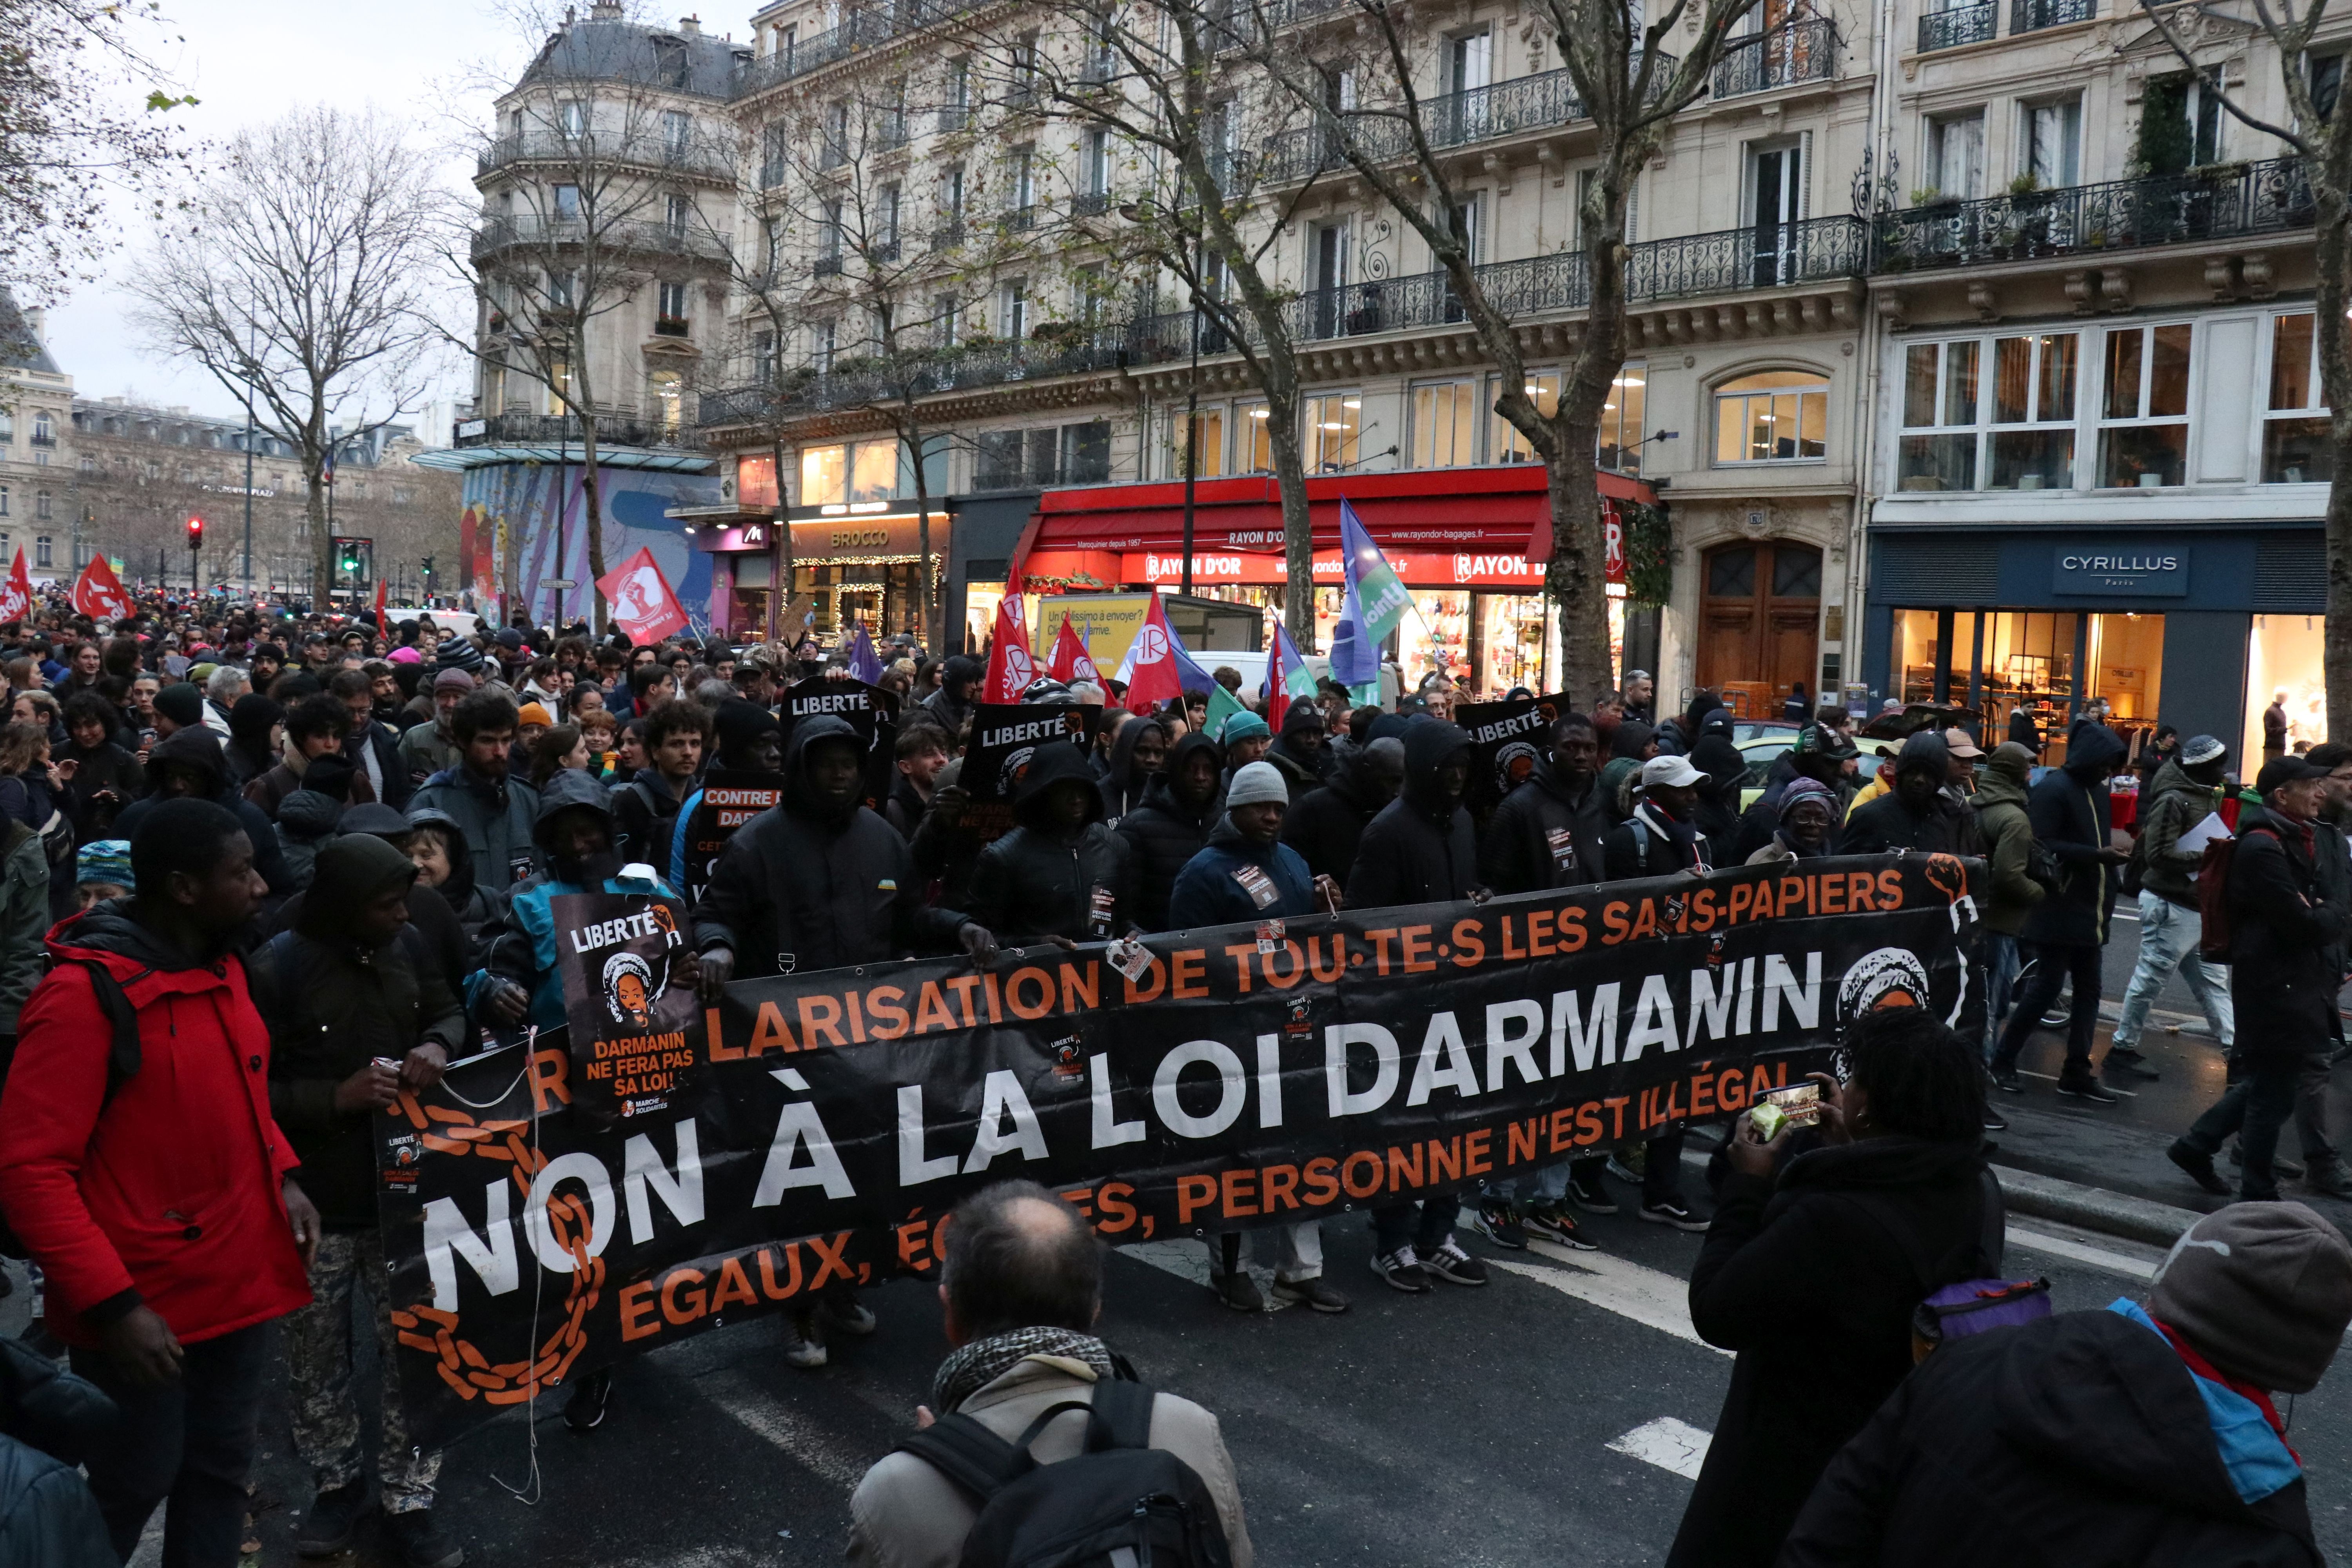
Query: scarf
point(982, 1362)
point(1681, 834)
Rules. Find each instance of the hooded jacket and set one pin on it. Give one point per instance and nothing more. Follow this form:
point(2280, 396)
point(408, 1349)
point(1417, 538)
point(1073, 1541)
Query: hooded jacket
point(521, 941)
point(2008, 835)
point(1327, 825)
point(2069, 811)
point(2082, 1438)
point(1421, 848)
point(168, 1194)
point(306, 824)
point(959, 670)
point(199, 749)
point(2172, 805)
point(2287, 926)
point(1546, 835)
point(1888, 822)
point(449, 940)
point(1211, 889)
point(1301, 772)
point(801, 887)
point(496, 817)
point(1123, 789)
point(1038, 880)
point(24, 920)
point(1812, 1281)
point(1163, 834)
point(333, 1002)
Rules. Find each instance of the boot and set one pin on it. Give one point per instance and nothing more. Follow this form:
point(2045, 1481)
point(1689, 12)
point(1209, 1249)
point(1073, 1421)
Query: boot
point(332, 1520)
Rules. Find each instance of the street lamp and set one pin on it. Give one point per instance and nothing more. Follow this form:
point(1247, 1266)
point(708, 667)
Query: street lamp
point(1133, 213)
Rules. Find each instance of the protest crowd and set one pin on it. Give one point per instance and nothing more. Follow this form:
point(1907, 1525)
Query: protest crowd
point(265, 870)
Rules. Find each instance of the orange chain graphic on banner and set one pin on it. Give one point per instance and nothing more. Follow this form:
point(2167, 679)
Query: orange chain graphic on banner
point(430, 1330)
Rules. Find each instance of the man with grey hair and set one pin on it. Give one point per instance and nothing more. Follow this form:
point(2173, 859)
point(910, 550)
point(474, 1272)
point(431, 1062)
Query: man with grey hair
point(223, 686)
point(1637, 696)
point(1020, 1284)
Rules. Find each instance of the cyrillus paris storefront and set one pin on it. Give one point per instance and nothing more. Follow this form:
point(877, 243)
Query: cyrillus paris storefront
point(2198, 627)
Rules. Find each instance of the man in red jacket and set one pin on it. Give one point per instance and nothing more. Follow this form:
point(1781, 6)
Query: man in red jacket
point(152, 1184)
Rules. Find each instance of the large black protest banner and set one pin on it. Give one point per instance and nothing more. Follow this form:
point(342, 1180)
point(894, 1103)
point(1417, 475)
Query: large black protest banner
point(868, 710)
point(1247, 1075)
point(730, 797)
point(1004, 738)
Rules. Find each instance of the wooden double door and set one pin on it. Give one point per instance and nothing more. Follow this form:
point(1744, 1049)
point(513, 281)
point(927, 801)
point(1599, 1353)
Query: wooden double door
point(1759, 618)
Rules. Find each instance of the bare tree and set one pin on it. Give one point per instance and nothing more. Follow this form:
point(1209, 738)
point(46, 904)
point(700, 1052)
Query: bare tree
point(2315, 129)
point(300, 278)
point(1382, 127)
point(1159, 81)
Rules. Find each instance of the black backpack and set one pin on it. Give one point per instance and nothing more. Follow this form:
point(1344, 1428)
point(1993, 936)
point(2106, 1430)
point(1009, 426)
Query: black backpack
point(1120, 1503)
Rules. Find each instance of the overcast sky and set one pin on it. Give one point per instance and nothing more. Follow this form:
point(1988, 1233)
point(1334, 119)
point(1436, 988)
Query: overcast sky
point(249, 62)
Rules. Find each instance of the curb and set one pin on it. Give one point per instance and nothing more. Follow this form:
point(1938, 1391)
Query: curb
point(2092, 1208)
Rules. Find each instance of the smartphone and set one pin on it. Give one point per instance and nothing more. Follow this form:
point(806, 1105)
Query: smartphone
point(1800, 1104)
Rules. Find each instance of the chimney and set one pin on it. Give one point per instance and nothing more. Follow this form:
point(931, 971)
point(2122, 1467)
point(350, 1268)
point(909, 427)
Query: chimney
point(37, 323)
point(604, 11)
point(690, 25)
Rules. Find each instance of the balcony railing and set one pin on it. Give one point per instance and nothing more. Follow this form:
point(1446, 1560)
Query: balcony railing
point(948, 235)
point(614, 429)
point(942, 370)
point(1798, 52)
point(954, 118)
point(1960, 25)
point(532, 231)
point(2033, 16)
point(2232, 201)
point(672, 326)
point(694, 156)
point(1089, 204)
point(1021, 219)
point(827, 266)
point(858, 31)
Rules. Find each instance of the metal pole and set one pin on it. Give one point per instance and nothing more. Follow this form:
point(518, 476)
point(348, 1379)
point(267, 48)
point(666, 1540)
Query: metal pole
point(248, 487)
point(1192, 424)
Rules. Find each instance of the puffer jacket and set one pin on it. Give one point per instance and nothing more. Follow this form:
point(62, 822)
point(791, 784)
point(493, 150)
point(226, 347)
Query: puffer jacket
point(1041, 881)
point(333, 1003)
point(1164, 832)
point(1421, 848)
point(1210, 891)
point(800, 888)
point(1546, 835)
point(168, 1194)
point(50, 1422)
point(2173, 804)
point(2007, 833)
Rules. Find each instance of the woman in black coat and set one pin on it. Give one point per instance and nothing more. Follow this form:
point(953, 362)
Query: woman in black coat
point(1813, 1276)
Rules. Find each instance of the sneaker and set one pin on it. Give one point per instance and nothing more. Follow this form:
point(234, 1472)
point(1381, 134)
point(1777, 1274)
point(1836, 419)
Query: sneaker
point(332, 1520)
point(2330, 1179)
point(1312, 1294)
point(1994, 1122)
point(2006, 1080)
point(2199, 1166)
point(1500, 1224)
point(1238, 1290)
point(2280, 1165)
point(1401, 1270)
point(1559, 1227)
point(2132, 1060)
point(1670, 1211)
point(2087, 1088)
point(803, 1339)
point(1588, 1192)
point(1453, 1266)
point(420, 1542)
point(845, 1313)
point(584, 1411)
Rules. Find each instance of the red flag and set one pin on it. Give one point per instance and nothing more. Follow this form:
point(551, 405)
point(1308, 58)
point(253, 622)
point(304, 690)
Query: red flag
point(642, 605)
point(1011, 666)
point(16, 592)
point(378, 603)
point(97, 591)
point(1071, 660)
point(1150, 670)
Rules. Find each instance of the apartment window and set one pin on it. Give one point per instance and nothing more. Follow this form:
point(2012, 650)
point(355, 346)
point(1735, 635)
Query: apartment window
point(7, 427)
point(1620, 421)
point(567, 203)
point(763, 358)
point(677, 131)
point(1504, 439)
point(829, 239)
point(1094, 167)
point(1773, 416)
point(1334, 424)
point(1086, 453)
point(1470, 61)
point(1024, 82)
point(2326, 80)
point(668, 390)
point(824, 476)
point(834, 152)
point(1087, 290)
point(947, 313)
point(559, 290)
point(955, 95)
point(1023, 187)
point(2144, 421)
point(997, 461)
point(771, 245)
point(775, 139)
point(45, 429)
point(572, 116)
point(1955, 154)
point(1101, 48)
point(891, 125)
point(3, 501)
point(951, 195)
point(1444, 425)
point(886, 224)
point(1212, 431)
point(2295, 445)
point(1013, 309)
point(41, 540)
point(2052, 142)
point(822, 337)
point(677, 213)
point(1994, 414)
point(1250, 426)
point(41, 509)
point(673, 305)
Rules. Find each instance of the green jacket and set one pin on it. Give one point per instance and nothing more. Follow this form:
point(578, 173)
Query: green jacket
point(2173, 804)
point(2007, 833)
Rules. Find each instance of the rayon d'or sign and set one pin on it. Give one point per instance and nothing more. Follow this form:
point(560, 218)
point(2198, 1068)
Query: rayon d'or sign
point(1240, 1076)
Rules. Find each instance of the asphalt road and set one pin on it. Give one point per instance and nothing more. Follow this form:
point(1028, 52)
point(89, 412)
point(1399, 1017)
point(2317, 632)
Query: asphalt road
point(1549, 1418)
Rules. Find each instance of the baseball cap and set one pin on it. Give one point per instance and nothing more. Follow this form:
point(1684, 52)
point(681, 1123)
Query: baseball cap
point(1674, 773)
point(1960, 743)
point(2286, 771)
point(1827, 740)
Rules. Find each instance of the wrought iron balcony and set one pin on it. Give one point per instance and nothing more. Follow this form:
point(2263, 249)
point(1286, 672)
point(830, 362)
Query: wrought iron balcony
point(2033, 16)
point(695, 156)
point(1021, 219)
point(617, 428)
point(948, 235)
point(954, 118)
point(1797, 52)
point(533, 232)
point(858, 31)
point(1065, 353)
point(1960, 25)
point(827, 266)
point(1089, 204)
point(2232, 201)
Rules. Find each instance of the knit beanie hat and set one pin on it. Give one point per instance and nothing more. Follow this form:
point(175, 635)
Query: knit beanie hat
point(453, 679)
point(181, 703)
point(456, 653)
point(1802, 789)
point(2262, 1291)
point(1255, 783)
point(1241, 726)
point(104, 860)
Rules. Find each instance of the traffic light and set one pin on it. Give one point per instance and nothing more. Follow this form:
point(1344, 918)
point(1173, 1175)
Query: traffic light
point(196, 533)
point(351, 562)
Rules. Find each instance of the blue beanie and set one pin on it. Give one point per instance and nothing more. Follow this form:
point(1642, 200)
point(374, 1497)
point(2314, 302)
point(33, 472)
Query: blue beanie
point(1241, 727)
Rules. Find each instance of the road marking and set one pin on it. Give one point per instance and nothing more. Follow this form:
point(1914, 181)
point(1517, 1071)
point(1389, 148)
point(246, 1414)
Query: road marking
point(1669, 1444)
point(2098, 1258)
point(1649, 1296)
point(817, 1450)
